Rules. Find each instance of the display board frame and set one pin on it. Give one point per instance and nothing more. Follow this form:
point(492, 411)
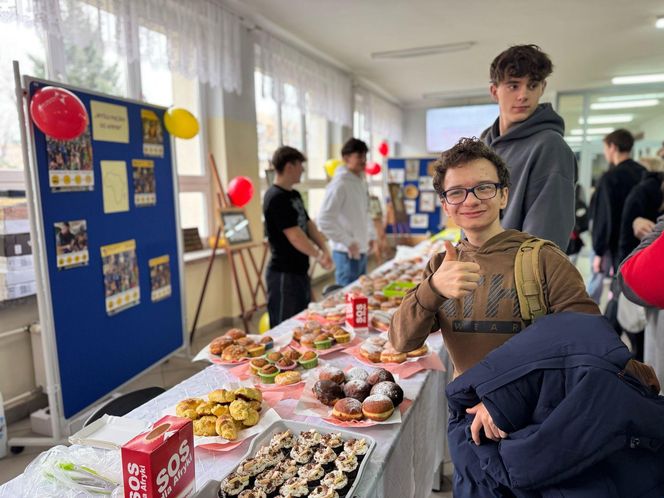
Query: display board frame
point(151, 341)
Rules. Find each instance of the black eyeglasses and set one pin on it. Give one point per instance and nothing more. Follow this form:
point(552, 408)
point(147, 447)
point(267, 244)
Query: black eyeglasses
point(483, 192)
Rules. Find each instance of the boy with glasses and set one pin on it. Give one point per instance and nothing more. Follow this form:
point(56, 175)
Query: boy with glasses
point(469, 291)
point(529, 137)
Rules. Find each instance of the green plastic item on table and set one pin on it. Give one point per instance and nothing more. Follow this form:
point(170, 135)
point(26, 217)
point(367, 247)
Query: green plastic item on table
point(86, 478)
point(398, 288)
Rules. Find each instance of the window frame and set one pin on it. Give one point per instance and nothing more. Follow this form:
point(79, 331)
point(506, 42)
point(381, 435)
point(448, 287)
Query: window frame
point(56, 71)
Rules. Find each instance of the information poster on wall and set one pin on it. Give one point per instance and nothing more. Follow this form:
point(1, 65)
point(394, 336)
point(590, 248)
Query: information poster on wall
point(160, 278)
point(120, 268)
point(109, 122)
point(70, 164)
point(71, 244)
point(145, 190)
point(116, 191)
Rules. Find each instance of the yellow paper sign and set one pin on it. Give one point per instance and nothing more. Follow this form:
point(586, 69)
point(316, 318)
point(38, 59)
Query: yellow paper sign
point(114, 181)
point(109, 122)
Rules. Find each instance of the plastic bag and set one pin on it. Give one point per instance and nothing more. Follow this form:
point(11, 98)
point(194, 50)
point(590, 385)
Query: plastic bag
point(74, 471)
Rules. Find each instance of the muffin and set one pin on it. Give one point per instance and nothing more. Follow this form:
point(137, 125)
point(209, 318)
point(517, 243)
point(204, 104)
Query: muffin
point(301, 454)
point(266, 341)
point(253, 493)
point(323, 492)
point(269, 480)
point(307, 341)
point(323, 341)
point(341, 336)
point(255, 350)
point(273, 356)
point(251, 467)
point(257, 363)
point(292, 354)
point(268, 373)
point(310, 438)
point(283, 440)
point(325, 456)
point(288, 468)
point(285, 364)
point(234, 484)
point(313, 473)
point(333, 440)
point(308, 360)
point(294, 487)
point(347, 463)
point(359, 447)
point(336, 480)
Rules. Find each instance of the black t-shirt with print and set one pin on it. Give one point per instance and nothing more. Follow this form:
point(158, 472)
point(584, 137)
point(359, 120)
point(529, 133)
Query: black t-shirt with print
point(284, 209)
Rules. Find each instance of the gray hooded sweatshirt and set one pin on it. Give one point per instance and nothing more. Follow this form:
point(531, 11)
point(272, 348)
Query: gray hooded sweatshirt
point(541, 164)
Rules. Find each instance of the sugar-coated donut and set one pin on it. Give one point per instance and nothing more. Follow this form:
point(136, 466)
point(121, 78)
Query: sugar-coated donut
point(390, 389)
point(348, 409)
point(358, 389)
point(379, 375)
point(377, 407)
point(327, 392)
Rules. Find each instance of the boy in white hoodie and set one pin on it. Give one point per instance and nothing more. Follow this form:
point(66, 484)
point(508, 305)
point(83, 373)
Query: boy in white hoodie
point(344, 217)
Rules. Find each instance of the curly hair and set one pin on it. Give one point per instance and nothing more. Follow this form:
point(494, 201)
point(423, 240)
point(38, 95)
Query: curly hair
point(519, 61)
point(465, 151)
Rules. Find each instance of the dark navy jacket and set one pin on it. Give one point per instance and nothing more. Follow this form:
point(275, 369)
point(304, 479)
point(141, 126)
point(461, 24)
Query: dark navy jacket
point(578, 426)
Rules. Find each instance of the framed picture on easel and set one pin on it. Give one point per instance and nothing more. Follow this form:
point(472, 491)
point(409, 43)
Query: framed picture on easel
point(235, 226)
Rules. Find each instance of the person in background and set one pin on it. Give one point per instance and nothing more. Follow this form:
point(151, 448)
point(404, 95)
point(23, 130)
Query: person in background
point(529, 137)
point(643, 206)
point(293, 238)
point(612, 190)
point(345, 215)
point(640, 279)
point(580, 221)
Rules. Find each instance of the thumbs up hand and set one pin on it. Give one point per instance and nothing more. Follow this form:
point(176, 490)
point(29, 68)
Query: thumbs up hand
point(455, 279)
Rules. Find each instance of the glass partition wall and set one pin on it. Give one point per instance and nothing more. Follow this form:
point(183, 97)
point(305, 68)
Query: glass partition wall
point(592, 114)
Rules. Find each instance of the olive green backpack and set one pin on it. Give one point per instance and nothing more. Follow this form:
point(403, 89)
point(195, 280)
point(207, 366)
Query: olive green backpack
point(528, 280)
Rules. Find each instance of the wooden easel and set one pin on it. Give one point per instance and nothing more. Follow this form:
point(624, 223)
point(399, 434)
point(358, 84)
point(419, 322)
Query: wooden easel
point(240, 250)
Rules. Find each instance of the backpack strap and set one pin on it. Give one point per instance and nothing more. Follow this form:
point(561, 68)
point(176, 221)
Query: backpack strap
point(527, 276)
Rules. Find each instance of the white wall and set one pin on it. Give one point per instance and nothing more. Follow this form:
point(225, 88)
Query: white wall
point(414, 136)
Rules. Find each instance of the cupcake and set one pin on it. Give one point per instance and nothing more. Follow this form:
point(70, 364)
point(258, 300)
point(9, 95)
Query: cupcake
point(288, 468)
point(347, 463)
point(292, 354)
point(267, 341)
point(257, 363)
point(357, 446)
point(313, 473)
point(282, 440)
point(325, 456)
point(253, 493)
point(234, 484)
point(323, 492)
point(256, 350)
point(336, 480)
point(333, 440)
point(285, 364)
point(323, 341)
point(273, 356)
point(251, 467)
point(268, 373)
point(269, 481)
point(294, 487)
point(308, 360)
point(309, 438)
point(341, 336)
point(301, 454)
point(271, 456)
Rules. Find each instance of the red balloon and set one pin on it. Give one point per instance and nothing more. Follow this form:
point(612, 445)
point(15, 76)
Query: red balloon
point(58, 113)
point(373, 169)
point(240, 190)
point(384, 148)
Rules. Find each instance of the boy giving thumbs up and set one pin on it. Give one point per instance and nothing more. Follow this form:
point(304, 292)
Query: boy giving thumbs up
point(469, 291)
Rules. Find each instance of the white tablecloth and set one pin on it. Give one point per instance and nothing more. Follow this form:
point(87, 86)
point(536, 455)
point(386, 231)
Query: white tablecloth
point(406, 455)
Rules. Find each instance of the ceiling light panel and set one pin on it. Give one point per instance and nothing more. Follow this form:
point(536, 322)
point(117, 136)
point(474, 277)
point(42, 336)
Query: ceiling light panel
point(608, 119)
point(422, 51)
point(599, 106)
point(638, 78)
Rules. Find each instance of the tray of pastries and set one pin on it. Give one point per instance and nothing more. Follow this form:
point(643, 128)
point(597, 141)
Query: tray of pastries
point(225, 415)
point(292, 459)
point(236, 346)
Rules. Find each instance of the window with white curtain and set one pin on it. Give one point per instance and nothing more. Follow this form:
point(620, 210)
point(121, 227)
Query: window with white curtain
point(31, 55)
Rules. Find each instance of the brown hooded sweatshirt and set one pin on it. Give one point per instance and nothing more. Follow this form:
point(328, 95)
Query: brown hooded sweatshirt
point(482, 321)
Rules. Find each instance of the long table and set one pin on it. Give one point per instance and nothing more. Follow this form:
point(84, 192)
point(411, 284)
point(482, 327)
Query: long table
point(406, 455)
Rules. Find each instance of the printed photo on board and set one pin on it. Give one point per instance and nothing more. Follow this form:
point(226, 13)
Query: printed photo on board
point(153, 134)
point(70, 163)
point(145, 191)
point(160, 278)
point(71, 244)
point(120, 268)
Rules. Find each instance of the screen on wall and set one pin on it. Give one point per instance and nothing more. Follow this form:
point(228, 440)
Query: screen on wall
point(446, 125)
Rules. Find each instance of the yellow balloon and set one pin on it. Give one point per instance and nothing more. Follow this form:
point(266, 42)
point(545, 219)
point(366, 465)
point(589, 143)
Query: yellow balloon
point(331, 165)
point(264, 323)
point(180, 123)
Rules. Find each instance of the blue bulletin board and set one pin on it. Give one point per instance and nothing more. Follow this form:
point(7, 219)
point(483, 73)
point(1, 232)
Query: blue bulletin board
point(115, 301)
point(422, 203)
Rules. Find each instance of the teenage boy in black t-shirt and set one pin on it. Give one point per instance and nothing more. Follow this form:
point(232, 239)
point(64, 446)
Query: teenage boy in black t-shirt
point(293, 239)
